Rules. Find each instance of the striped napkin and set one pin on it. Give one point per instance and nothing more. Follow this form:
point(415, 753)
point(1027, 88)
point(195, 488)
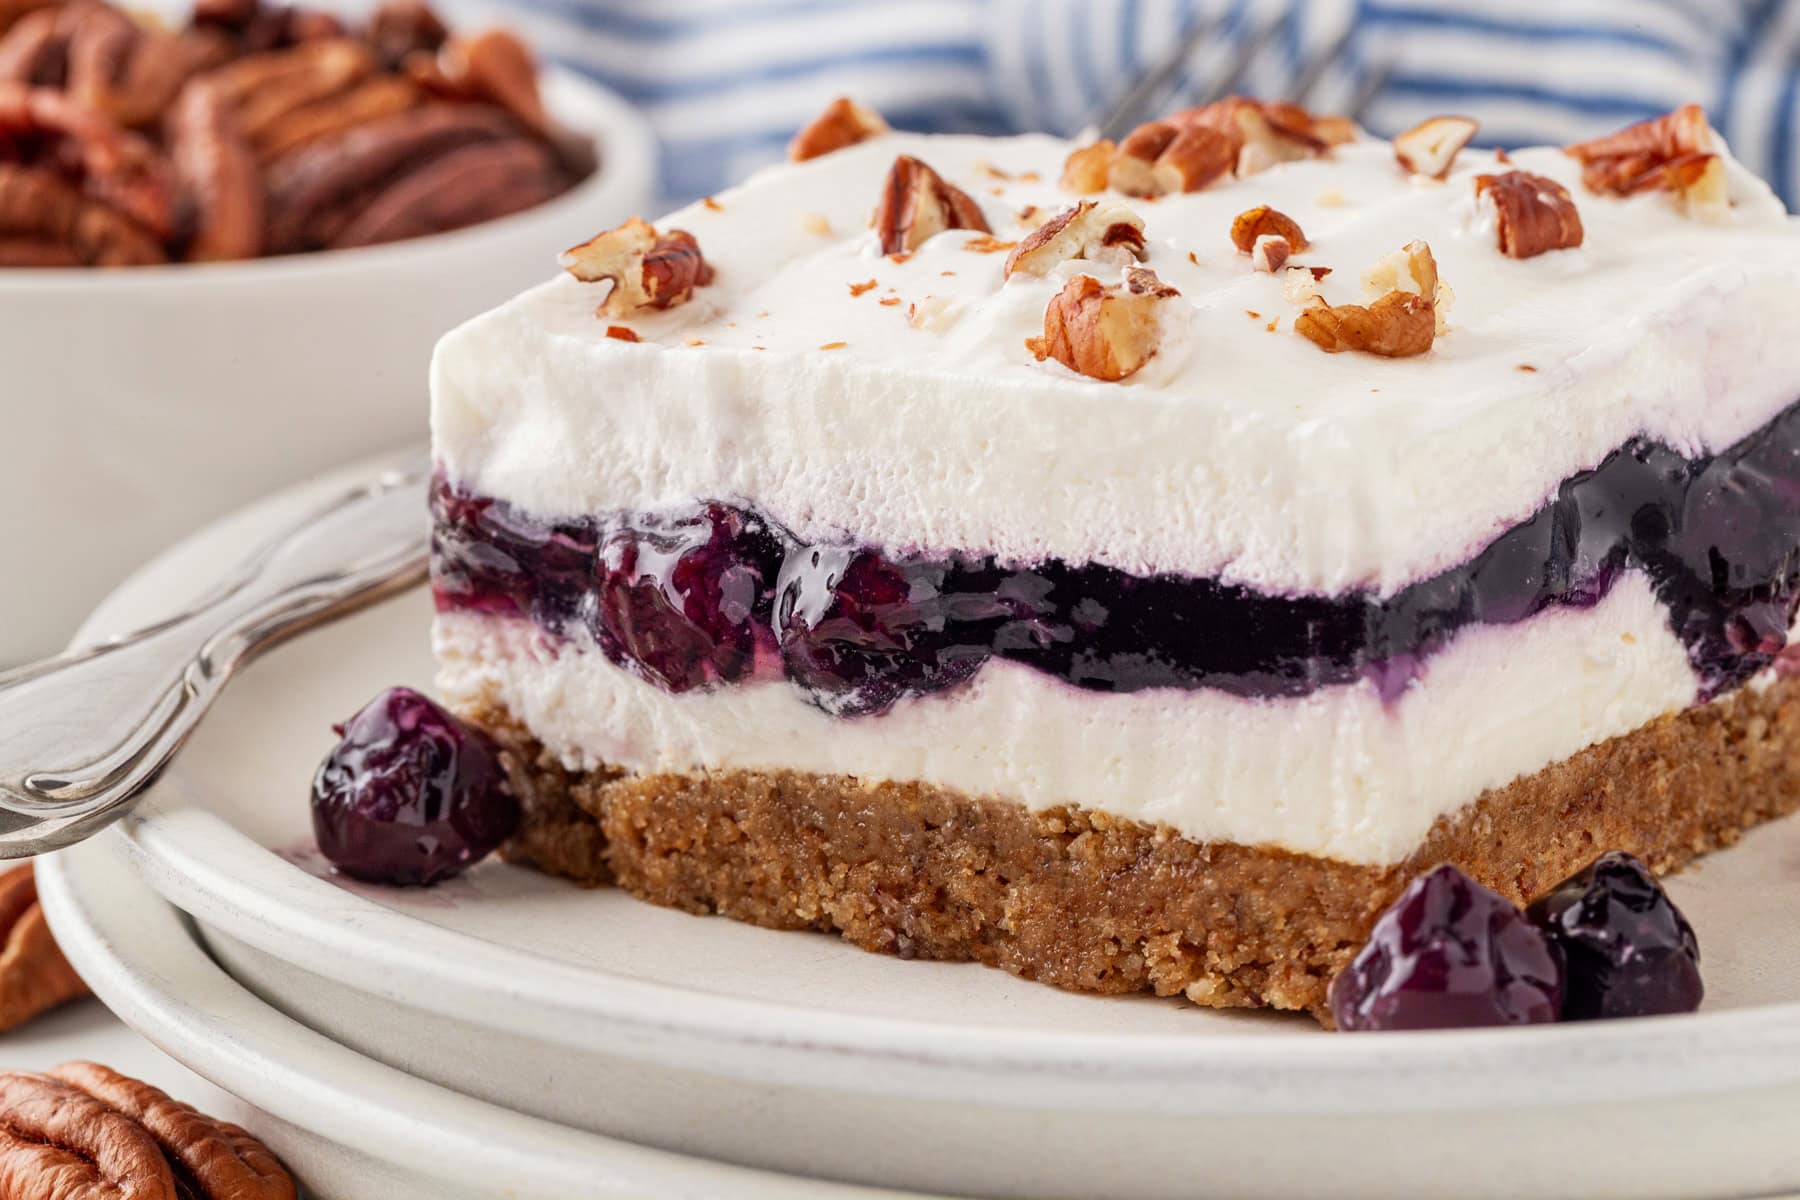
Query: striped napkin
point(725, 82)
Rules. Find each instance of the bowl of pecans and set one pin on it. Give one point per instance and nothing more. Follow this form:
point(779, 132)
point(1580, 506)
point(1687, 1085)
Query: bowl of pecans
point(228, 246)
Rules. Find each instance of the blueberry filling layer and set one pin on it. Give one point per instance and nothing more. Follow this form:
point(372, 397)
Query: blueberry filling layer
point(718, 593)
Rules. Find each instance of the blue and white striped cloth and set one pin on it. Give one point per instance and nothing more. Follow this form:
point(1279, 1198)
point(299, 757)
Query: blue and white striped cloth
point(725, 82)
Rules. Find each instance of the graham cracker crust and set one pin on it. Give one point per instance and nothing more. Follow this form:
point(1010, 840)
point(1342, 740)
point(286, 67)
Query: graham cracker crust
point(1091, 902)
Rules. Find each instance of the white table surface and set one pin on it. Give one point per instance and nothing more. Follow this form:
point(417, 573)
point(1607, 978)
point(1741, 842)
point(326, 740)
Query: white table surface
point(85, 1029)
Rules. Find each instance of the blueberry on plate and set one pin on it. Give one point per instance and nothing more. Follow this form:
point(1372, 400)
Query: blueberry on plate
point(1628, 949)
point(1449, 954)
point(410, 795)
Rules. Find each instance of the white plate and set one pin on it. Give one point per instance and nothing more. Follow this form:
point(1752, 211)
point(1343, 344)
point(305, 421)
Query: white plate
point(795, 1051)
point(348, 1127)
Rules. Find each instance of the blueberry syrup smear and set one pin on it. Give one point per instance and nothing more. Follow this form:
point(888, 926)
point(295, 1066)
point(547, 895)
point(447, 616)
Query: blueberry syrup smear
point(718, 593)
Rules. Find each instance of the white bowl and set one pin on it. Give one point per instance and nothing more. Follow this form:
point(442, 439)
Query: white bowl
point(138, 404)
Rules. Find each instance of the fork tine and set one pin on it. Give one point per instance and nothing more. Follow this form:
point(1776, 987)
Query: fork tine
point(1125, 113)
point(1247, 53)
point(1374, 79)
point(1312, 71)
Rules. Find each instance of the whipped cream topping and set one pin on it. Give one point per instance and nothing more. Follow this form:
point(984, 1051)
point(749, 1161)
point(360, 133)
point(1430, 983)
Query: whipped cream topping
point(1338, 773)
point(1240, 451)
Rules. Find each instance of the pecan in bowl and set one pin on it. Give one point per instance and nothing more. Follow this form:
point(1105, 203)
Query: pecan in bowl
point(262, 129)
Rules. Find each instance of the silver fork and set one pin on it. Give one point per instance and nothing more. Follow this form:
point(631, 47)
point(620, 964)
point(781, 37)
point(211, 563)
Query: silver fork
point(1154, 91)
point(84, 733)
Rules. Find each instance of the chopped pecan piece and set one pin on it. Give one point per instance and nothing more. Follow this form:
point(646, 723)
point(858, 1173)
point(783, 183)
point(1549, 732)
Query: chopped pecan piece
point(843, 123)
point(1270, 253)
point(1532, 213)
point(1262, 134)
point(918, 204)
point(34, 975)
point(1104, 231)
point(647, 269)
point(1085, 170)
point(1161, 158)
point(1105, 333)
point(1430, 148)
point(1652, 155)
point(1263, 221)
point(1401, 323)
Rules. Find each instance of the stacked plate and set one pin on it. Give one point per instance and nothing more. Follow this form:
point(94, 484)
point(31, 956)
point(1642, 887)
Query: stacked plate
point(506, 1032)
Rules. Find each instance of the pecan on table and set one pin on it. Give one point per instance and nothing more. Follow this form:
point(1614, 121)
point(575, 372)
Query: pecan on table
point(84, 1132)
point(209, 1158)
point(34, 975)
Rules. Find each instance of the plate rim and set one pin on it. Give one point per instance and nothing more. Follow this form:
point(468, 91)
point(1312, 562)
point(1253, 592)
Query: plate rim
point(132, 947)
point(206, 867)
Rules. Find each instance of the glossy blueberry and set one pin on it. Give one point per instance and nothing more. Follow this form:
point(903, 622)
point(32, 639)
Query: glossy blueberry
point(858, 631)
point(1449, 954)
point(410, 795)
point(1629, 951)
point(685, 601)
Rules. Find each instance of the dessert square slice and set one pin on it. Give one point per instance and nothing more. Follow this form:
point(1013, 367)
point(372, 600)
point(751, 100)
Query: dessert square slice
point(1129, 566)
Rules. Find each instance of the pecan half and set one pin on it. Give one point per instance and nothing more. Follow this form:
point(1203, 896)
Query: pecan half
point(1159, 158)
point(1533, 214)
point(119, 67)
point(1103, 232)
point(40, 211)
point(1263, 221)
point(646, 269)
point(111, 166)
point(1430, 147)
point(497, 67)
point(34, 975)
point(1105, 333)
point(316, 190)
point(58, 1141)
point(918, 204)
point(470, 184)
point(1648, 156)
point(29, 252)
point(843, 123)
point(1399, 324)
point(399, 29)
point(219, 175)
point(267, 89)
point(208, 1158)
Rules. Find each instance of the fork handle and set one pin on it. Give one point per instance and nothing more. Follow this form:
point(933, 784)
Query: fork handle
point(83, 734)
